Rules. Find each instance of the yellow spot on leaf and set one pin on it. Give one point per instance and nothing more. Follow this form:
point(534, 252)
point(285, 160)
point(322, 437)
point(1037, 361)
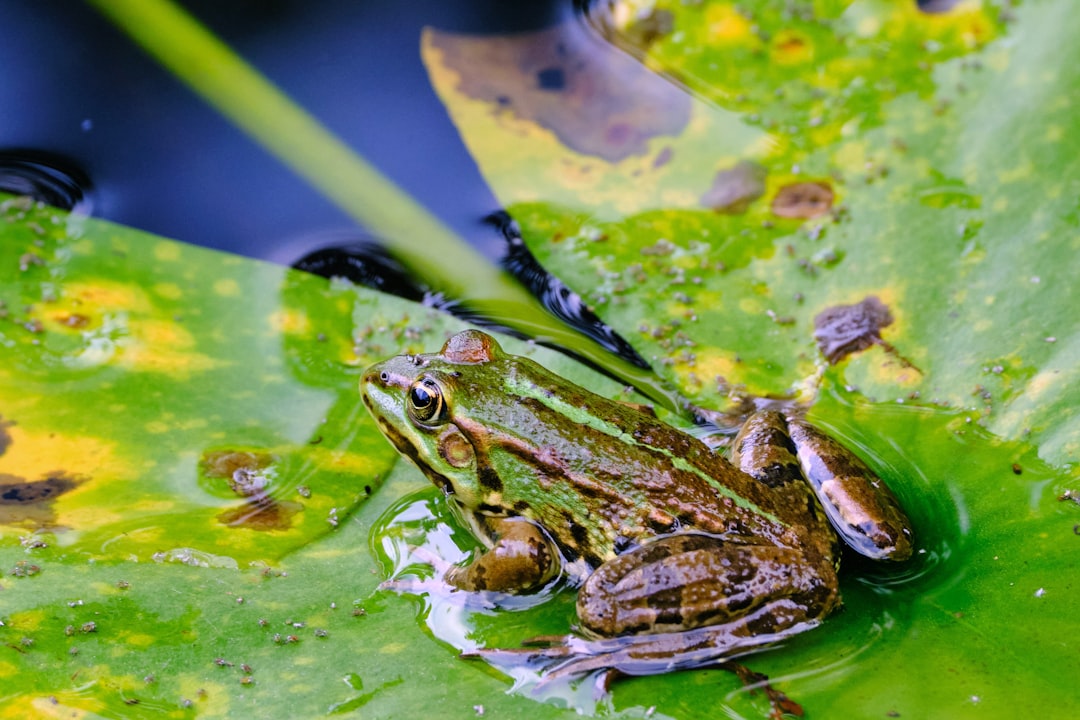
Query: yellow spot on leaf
point(33, 455)
point(167, 251)
point(27, 621)
point(69, 705)
point(791, 48)
point(162, 346)
point(725, 25)
point(104, 296)
point(868, 26)
point(140, 640)
point(156, 427)
point(58, 705)
point(1024, 170)
point(891, 370)
point(711, 364)
point(292, 322)
point(213, 697)
point(751, 306)
point(227, 287)
point(851, 157)
point(168, 290)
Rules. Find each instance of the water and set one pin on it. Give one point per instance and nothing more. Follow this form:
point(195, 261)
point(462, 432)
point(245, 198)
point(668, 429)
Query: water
point(408, 137)
point(146, 153)
point(161, 160)
point(887, 607)
point(50, 178)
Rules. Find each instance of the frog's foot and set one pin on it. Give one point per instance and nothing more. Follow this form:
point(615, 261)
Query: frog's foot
point(413, 586)
point(780, 703)
point(572, 657)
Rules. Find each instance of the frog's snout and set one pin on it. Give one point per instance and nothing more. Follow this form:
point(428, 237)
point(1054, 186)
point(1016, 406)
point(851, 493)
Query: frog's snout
point(371, 382)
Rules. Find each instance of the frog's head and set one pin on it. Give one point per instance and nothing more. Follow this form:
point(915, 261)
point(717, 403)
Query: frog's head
point(412, 398)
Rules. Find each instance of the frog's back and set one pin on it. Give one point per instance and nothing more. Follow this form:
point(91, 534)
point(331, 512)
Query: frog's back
point(600, 475)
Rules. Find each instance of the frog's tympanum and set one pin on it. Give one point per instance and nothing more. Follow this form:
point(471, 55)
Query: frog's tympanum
point(683, 558)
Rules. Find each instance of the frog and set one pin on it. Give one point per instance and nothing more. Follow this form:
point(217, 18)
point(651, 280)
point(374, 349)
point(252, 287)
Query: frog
point(681, 557)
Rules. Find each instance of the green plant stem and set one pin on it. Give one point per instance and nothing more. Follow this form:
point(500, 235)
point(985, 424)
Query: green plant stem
point(421, 241)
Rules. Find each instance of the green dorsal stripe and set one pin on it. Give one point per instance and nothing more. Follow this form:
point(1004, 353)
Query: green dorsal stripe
point(583, 417)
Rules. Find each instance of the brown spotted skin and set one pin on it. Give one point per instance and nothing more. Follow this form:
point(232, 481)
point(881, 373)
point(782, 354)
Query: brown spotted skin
point(862, 508)
point(688, 581)
point(764, 450)
point(685, 558)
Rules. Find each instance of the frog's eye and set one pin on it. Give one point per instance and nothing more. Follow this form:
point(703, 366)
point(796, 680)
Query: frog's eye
point(426, 403)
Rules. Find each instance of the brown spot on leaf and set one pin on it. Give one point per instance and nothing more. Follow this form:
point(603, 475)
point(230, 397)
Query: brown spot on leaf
point(16, 491)
point(223, 463)
point(248, 473)
point(262, 513)
point(5, 436)
point(803, 200)
point(73, 320)
point(596, 101)
point(29, 502)
point(734, 189)
point(846, 329)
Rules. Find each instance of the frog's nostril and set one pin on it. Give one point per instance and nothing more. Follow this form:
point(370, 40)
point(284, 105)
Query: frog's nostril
point(384, 376)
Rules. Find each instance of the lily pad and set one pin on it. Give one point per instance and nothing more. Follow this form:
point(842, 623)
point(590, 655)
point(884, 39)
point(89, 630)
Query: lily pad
point(188, 481)
point(945, 143)
point(142, 375)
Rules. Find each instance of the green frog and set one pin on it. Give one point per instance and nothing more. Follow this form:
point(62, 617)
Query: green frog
point(683, 557)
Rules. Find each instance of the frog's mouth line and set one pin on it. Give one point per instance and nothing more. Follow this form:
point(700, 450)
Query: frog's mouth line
point(403, 446)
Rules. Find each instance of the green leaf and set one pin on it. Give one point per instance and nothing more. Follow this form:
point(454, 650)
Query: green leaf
point(140, 375)
point(949, 142)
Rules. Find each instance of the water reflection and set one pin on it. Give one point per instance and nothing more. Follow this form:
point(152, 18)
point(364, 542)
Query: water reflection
point(418, 537)
point(46, 177)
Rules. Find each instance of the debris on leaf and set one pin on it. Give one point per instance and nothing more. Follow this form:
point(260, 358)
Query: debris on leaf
point(803, 200)
point(845, 329)
point(595, 101)
point(734, 189)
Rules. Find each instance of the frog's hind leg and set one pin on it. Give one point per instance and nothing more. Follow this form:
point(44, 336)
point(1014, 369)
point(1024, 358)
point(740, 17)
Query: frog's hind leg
point(752, 680)
point(818, 481)
point(608, 659)
point(765, 451)
point(690, 580)
point(684, 601)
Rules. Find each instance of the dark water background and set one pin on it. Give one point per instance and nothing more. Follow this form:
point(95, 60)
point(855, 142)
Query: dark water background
point(80, 95)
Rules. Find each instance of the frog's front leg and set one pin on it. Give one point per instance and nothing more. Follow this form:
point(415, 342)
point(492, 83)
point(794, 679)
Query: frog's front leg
point(688, 581)
point(521, 559)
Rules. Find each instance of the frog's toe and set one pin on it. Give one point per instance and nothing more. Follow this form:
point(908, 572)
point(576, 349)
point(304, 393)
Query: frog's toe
point(422, 555)
point(410, 586)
